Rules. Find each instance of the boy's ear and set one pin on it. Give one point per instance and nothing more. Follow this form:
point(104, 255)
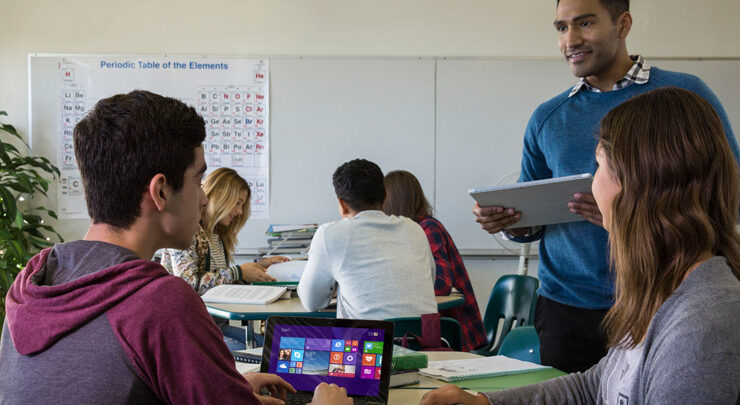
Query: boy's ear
point(158, 191)
point(344, 208)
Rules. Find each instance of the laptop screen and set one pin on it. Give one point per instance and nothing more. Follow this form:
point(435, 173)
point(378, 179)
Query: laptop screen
point(349, 353)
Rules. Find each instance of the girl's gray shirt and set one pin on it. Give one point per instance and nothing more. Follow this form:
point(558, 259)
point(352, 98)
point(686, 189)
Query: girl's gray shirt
point(691, 353)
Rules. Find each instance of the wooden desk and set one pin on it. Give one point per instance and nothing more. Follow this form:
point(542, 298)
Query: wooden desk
point(293, 307)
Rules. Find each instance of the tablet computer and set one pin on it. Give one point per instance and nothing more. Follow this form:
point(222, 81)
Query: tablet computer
point(541, 202)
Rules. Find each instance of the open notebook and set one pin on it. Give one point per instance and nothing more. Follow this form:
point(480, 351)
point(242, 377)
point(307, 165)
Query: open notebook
point(465, 369)
point(243, 294)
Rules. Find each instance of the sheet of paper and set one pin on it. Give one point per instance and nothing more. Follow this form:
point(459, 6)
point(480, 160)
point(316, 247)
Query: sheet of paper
point(287, 271)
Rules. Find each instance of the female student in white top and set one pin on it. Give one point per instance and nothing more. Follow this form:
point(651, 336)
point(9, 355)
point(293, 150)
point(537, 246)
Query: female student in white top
point(667, 188)
point(205, 264)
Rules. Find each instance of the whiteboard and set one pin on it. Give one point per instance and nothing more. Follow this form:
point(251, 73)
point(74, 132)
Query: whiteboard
point(323, 112)
point(456, 124)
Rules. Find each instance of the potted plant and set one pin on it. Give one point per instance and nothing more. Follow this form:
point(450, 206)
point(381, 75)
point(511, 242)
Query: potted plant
point(23, 232)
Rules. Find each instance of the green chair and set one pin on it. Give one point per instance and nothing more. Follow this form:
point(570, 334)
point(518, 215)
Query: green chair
point(512, 299)
point(449, 329)
point(521, 343)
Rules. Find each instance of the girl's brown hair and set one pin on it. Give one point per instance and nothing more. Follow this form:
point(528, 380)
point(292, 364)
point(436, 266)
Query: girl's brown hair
point(404, 196)
point(678, 202)
point(222, 187)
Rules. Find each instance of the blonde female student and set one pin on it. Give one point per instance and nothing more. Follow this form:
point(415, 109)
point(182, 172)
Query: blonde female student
point(667, 188)
point(205, 264)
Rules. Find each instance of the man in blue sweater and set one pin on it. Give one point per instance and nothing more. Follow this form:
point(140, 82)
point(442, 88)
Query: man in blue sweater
point(577, 287)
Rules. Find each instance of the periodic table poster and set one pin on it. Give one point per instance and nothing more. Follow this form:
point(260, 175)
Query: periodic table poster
point(231, 94)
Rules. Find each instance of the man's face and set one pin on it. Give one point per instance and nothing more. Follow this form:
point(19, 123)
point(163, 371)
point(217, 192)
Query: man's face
point(186, 205)
point(587, 35)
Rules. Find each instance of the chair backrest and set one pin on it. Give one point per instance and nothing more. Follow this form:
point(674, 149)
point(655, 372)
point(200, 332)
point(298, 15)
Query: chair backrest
point(512, 299)
point(450, 330)
point(521, 343)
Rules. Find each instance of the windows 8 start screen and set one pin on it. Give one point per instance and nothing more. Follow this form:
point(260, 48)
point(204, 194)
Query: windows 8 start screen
point(305, 356)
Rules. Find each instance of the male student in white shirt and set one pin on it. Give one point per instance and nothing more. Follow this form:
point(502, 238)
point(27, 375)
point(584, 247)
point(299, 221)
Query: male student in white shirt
point(379, 266)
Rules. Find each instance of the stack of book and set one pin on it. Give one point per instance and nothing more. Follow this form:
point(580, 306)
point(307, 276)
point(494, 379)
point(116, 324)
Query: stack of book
point(289, 239)
point(405, 366)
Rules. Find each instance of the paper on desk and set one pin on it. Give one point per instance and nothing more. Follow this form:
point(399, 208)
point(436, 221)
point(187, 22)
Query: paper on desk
point(287, 271)
point(456, 370)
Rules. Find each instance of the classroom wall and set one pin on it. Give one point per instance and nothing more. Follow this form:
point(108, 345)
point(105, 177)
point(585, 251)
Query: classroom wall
point(473, 28)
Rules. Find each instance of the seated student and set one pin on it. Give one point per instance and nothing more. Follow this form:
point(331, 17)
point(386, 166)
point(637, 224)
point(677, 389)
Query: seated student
point(379, 266)
point(205, 264)
point(667, 187)
point(95, 321)
point(406, 198)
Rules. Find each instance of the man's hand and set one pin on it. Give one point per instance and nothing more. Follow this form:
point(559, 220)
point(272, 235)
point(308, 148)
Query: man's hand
point(277, 387)
point(496, 219)
point(330, 394)
point(452, 394)
point(252, 272)
point(584, 205)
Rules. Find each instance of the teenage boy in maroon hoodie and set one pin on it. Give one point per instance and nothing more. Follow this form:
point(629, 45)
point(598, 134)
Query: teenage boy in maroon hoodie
point(94, 321)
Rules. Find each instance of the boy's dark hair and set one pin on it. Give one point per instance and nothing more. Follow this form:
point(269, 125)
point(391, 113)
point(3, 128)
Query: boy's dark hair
point(359, 183)
point(125, 141)
point(615, 7)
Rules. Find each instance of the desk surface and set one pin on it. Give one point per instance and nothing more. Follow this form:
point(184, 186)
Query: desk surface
point(293, 307)
point(412, 394)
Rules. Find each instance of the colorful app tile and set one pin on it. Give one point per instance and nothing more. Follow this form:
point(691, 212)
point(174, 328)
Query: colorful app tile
point(367, 372)
point(297, 355)
point(349, 371)
point(347, 349)
point(299, 364)
point(368, 360)
point(315, 362)
point(298, 371)
point(292, 364)
point(337, 345)
point(292, 342)
point(336, 357)
point(283, 366)
point(354, 349)
point(285, 354)
point(373, 347)
point(318, 344)
point(292, 371)
point(378, 360)
point(377, 373)
point(350, 358)
point(335, 370)
point(355, 343)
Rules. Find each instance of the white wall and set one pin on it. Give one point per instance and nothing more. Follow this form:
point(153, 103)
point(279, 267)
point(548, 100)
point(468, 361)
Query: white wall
point(507, 28)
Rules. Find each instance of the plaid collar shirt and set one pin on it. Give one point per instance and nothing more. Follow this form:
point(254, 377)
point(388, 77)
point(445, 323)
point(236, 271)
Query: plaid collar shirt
point(451, 273)
point(639, 73)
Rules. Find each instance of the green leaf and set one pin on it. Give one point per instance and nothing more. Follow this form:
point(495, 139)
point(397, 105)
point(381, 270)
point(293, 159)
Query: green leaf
point(3, 113)
point(18, 219)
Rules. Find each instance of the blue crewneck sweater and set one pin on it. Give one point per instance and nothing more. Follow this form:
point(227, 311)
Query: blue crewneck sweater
point(561, 140)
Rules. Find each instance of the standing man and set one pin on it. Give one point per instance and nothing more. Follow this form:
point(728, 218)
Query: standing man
point(577, 287)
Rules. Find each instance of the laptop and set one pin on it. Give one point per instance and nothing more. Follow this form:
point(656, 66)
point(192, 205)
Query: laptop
point(351, 353)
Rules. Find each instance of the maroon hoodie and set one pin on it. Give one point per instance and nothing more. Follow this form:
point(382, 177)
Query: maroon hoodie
point(90, 322)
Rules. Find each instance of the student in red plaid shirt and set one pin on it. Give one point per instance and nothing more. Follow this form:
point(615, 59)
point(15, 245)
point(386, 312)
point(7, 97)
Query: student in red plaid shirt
point(406, 198)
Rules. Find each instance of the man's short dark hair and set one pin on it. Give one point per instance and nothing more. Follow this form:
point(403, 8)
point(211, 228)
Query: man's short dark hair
point(125, 141)
point(360, 184)
point(615, 7)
